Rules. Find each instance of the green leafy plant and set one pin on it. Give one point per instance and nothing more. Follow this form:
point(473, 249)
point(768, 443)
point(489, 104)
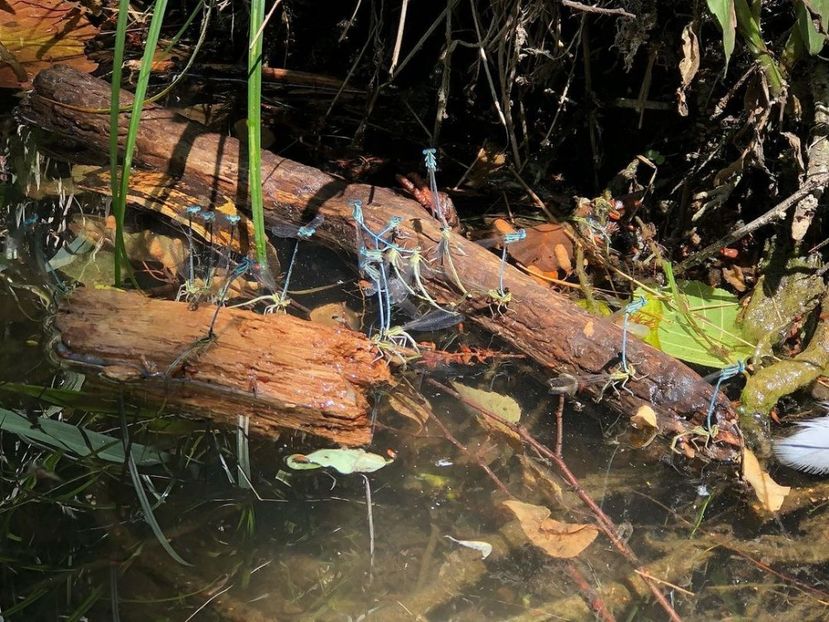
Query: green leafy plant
point(695, 323)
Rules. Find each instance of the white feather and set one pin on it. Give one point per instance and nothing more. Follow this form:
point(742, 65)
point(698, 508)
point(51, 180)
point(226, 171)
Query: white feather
point(808, 448)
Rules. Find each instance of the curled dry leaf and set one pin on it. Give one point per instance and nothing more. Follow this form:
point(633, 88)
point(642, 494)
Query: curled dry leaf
point(769, 493)
point(556, 539)
point(36, 35)
point(688, 66)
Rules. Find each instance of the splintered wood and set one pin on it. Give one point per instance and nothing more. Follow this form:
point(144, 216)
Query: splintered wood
point(281, 371)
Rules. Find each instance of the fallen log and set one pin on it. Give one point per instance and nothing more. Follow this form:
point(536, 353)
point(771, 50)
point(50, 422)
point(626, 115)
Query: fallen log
point(545, 325)
point(281, 371)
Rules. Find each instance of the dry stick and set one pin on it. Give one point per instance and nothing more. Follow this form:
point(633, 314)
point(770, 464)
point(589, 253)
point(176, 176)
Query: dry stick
point(603, 521)
point(578, 6)
point(773, 214)
point(449, 6)
point(485, 64)
point(401, 26)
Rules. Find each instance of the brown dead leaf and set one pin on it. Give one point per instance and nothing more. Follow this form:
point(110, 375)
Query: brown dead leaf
point(688, 66)
point(769, 493)
point(734, 277)
point(547, 248)
point(36, 34)
point(556, 539)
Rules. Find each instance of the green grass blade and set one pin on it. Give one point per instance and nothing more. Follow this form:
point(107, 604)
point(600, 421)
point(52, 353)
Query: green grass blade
point(114, 110)
point(132, 131)
point(257, 16)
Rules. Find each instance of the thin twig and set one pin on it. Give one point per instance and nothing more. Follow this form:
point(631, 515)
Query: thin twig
point(593, 600)
point(560, 425)
point(264, 23)
point(770, 216)
point(587, 8)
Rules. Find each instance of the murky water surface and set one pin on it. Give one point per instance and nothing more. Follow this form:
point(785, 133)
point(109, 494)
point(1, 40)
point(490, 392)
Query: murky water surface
point(319, 545)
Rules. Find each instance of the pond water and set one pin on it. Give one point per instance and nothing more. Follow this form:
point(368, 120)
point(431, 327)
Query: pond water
point(77, 542)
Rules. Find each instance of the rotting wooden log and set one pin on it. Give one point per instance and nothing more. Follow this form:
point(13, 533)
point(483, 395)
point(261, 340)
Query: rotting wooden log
point(282, 371)
point(545, 325)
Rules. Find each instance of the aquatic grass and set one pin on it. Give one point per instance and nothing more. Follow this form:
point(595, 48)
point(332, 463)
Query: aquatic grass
point(144, 502)
point(243, 452)
point(75, 440)
point(145, 70)
point(254, 122)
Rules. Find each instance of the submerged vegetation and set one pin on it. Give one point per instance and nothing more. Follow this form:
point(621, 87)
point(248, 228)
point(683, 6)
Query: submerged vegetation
point(244, 379)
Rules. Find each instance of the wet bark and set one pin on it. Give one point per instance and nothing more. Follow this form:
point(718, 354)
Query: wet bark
point(540, 322)
point(281, 371)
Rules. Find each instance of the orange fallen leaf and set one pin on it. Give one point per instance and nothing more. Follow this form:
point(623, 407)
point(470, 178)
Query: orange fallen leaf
point(556, 539)
point(36, 34)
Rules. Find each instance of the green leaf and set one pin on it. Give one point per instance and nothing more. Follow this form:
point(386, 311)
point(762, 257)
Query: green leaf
point(78, 441)
point(820, 9)
point(723, 10)
point(346, 461)
point(812, 39)
point(700, 327)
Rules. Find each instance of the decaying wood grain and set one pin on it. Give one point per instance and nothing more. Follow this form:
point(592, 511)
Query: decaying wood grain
point(539, 322)
point(282, 371)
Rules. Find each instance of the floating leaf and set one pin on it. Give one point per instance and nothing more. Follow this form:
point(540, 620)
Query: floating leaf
point(769, 493)
point(484, 548)
point(556, 539)
point(706, 333)
point(78, 441)
point(345, 461)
